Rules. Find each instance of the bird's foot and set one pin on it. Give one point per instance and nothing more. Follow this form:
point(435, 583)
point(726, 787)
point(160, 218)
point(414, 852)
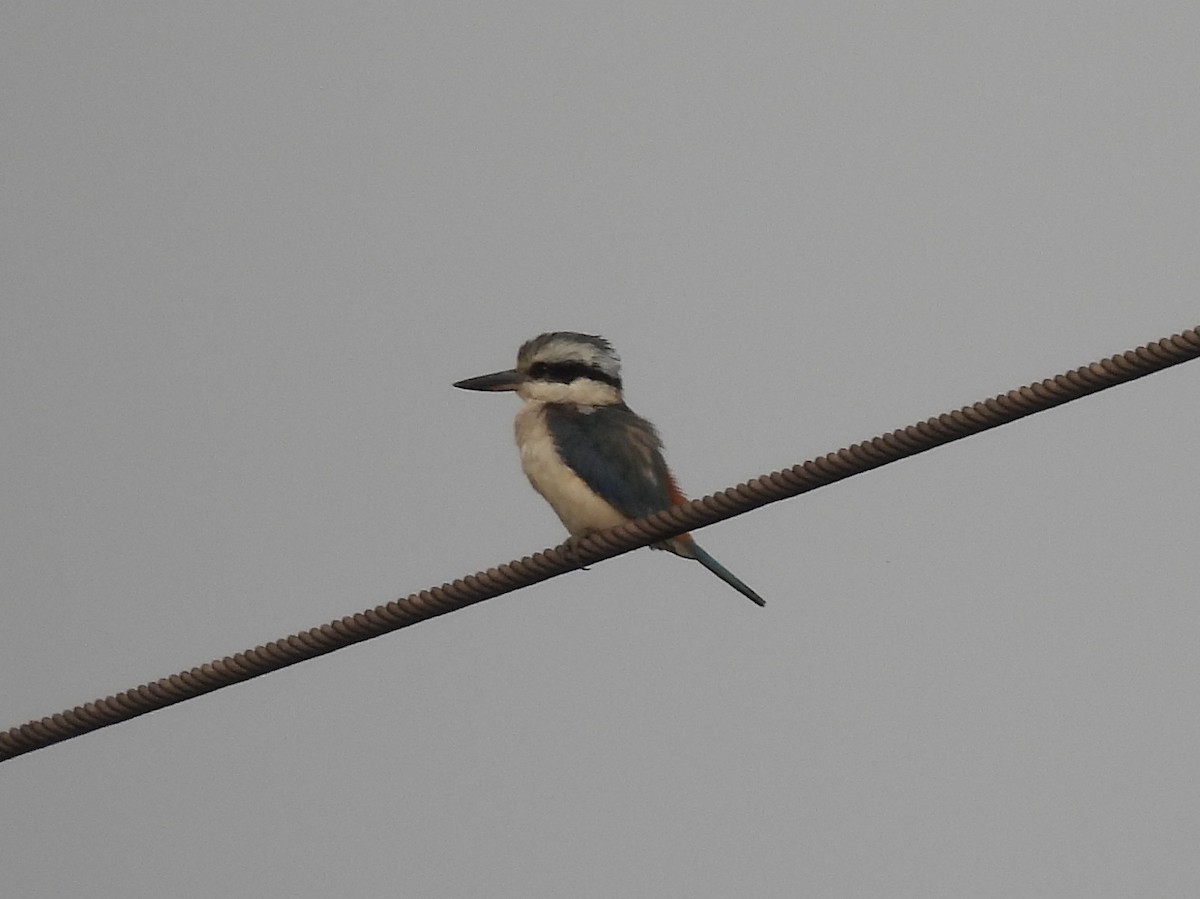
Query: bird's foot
point(570, 551)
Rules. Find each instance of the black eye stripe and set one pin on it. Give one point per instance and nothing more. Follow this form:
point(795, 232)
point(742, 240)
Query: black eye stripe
point(566, 372)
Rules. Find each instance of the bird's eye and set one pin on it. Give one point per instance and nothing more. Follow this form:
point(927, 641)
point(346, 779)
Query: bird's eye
point(537, 369)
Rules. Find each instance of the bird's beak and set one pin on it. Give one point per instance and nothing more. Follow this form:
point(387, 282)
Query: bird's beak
point(498, 380)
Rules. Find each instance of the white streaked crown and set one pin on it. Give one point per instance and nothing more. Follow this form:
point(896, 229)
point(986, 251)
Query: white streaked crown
point(562, 347)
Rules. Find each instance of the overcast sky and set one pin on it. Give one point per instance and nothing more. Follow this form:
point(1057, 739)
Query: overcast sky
point(247, 247)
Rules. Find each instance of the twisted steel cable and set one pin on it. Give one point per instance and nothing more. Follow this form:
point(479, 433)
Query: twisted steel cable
point(466, 591)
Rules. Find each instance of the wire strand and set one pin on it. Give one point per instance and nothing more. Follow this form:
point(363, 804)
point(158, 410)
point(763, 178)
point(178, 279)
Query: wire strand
point(473, 588)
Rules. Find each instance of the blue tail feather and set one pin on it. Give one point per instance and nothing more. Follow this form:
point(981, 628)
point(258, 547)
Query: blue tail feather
point(725, 574)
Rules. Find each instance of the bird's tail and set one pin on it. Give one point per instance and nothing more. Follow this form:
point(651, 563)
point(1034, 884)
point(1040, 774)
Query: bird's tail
point(722, 572)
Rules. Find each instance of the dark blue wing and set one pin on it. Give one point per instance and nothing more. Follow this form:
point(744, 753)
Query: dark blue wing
point(615, 452)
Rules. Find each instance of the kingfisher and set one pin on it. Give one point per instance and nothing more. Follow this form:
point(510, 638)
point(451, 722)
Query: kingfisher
point(594, 460)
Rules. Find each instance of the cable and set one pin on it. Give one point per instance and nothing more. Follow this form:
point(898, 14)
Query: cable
point(426, 604)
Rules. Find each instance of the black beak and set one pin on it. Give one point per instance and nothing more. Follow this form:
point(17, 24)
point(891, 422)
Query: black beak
point(499, 380)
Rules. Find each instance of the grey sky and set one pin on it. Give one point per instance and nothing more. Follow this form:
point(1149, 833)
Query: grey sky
point(247, 248)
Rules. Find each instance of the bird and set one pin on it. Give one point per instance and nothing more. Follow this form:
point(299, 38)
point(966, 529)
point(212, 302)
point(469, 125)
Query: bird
point(595, 461)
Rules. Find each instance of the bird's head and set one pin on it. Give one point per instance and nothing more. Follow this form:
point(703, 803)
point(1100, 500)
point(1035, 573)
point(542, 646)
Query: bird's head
point(560, 367)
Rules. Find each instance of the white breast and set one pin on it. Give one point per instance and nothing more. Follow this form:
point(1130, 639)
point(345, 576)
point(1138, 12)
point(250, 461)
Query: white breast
point(579, 509)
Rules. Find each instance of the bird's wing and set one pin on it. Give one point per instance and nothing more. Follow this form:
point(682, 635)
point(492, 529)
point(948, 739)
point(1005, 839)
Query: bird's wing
point(616, 453)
